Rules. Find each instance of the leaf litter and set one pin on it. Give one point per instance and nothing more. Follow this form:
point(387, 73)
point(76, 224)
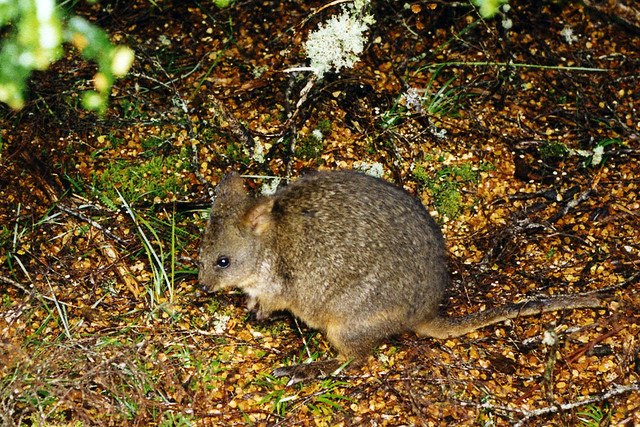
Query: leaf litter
point(529, 165)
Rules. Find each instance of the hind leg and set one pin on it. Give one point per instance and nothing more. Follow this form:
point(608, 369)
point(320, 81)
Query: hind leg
point(353, 344)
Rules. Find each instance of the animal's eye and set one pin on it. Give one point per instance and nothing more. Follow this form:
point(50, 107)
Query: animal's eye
point(223, 262)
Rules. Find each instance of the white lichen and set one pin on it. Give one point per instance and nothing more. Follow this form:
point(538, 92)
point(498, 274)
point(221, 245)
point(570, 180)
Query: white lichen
point(220, 322)
point(374, 169)
point(567, 33)
point(269, 187)
point(597, 155)
point(317, 135)
point(413, 99)
point(549, 338)
point(338, 43)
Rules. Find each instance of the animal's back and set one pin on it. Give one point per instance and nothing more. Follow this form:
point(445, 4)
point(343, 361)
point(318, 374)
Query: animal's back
point(358, 251)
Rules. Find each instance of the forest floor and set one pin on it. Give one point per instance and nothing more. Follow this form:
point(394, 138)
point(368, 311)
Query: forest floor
point(521, 134)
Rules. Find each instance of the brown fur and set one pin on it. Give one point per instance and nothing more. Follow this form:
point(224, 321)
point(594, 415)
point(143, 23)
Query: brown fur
point(350, 255)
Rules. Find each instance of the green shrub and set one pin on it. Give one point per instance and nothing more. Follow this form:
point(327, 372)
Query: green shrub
point(36, 31)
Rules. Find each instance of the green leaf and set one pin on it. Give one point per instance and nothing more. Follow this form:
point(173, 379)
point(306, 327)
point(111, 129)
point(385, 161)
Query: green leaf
point(488, 8)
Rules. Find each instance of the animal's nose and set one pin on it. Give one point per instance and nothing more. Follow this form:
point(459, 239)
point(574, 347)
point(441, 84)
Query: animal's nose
point(201, 291)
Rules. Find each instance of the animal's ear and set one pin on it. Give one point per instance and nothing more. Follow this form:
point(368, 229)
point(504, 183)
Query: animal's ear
point(258, 218)
point(230, 185)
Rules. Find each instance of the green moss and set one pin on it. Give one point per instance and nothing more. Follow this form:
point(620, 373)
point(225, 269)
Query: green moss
point(448, 200)
point(150, 143)
point(235, 154)
point(212, 306)
point(421, 174)
point(445, 185)
point(324, 126)
point(553, 150)
point(152, 178)
point(309, 147)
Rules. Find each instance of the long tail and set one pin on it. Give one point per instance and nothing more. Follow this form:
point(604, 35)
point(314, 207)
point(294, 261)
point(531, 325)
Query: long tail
point(445, 327)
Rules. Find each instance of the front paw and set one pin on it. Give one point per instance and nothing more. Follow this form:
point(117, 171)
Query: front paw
point(256, 310)
point(307, 371)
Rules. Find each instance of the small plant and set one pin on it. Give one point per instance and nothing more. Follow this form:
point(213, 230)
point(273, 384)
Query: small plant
point(394, 115)
point(155, 179)
point(444, 102)
point(593, 416)
point(132, 109)
point(279, 400)
point(5, 235)
point(137, 183)
point(154, 145)
point(445, 186)
point(421, 174)
point(236, 154)
point(161, 241)
point(488, 8)
point(37, 31)
point(172, 419)
point(328, 400)
point(212, 306)
point(324, 126)
point(311, 146)
point(553, 151)
point(223, 3)
point(322, 399)
point(447, 199)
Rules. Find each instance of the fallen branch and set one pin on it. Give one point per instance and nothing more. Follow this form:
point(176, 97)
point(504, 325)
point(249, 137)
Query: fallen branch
point(34, 294)
point(617, 11)
point(621, 285)
point(75, 213)
point(574, 202)
point(238, 130)
point(575, 356)
point(16, 284)
point(617, 390)
point(304, 94)
point(528, 414)
point(108, 250)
